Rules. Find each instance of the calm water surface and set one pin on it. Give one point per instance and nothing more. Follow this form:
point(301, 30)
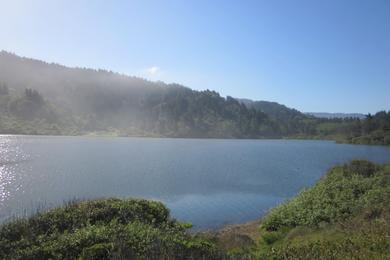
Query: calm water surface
point(205, 181)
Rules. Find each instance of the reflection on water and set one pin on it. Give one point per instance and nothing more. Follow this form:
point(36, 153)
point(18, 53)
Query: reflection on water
point(207, 213)
point(208, 182)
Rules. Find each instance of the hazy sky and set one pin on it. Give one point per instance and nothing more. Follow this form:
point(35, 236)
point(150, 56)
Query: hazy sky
point(325, 55)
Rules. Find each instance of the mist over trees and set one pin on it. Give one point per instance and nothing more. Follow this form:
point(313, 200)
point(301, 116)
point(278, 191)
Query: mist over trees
point(42, 98)
point(85, 100)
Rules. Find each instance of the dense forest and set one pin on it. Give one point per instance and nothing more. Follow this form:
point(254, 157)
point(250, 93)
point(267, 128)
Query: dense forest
point(42, 98)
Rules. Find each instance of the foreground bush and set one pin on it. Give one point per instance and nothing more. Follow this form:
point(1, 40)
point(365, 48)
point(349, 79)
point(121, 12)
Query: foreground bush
point(343, 192)
point(346, 215)
point(102, 229)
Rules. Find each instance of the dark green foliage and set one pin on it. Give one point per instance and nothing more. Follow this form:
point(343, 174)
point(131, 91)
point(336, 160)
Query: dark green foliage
point(98, 251)
point(290, 122)
point(360, 167)
point(102, 229)
point(375, 129)
point(30, 105)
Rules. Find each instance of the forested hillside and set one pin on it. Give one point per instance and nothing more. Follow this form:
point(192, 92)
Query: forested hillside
point(336, 115)
point(42, 98)
point(374, 129)
point(291, 122)
point(79, 101)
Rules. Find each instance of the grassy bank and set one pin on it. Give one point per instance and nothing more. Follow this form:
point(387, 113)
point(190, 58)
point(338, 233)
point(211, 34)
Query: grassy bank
point(346, 215)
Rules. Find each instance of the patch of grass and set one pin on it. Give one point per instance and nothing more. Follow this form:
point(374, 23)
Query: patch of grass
point(356, 238)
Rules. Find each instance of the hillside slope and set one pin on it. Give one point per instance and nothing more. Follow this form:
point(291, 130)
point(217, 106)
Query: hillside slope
point(291, 122)
point(86, 100)
point(50, 99)
point(336, 115)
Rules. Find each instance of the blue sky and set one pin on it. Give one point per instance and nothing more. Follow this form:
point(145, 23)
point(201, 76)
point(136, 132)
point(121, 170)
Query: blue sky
point(313, 55)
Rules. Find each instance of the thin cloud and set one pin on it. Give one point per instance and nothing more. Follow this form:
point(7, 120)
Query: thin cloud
point(153, 71)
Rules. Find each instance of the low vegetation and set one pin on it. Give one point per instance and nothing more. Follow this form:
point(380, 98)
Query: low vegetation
point(373, 130)
point(346, 215)
point(103, 229)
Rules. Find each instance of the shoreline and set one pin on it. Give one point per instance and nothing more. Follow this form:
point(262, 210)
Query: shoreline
point(108, 135)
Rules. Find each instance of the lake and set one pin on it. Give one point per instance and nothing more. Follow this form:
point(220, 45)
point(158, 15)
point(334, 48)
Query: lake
point(209, 182)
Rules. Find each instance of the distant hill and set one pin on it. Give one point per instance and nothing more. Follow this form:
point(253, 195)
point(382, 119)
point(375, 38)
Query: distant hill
point(336, 115)
point(273, 109)
point(80, 101)
point(291, 121)
point(47, 98)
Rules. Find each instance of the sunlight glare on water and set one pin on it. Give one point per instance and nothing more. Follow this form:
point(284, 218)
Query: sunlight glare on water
point(7, 177)
point(209, 182)
point(11, 156)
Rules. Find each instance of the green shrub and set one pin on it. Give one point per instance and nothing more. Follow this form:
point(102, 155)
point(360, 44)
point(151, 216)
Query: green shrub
point(272, 236)
point(102, 229)
point(340, 194)
point(360, 167)
point(97, 251)
point(345, 215)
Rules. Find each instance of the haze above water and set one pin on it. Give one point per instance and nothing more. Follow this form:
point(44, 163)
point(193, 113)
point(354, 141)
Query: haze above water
point(208, 182)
